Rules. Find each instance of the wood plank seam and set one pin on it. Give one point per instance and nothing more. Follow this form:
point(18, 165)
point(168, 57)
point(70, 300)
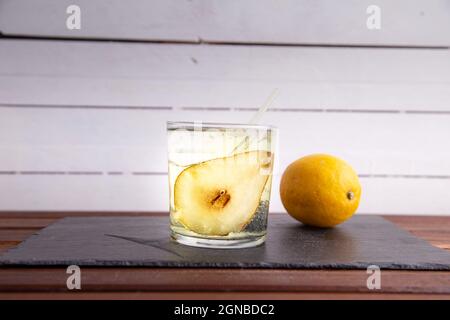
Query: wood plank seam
point(90, 173)
point(203, 42)
point(234, 109)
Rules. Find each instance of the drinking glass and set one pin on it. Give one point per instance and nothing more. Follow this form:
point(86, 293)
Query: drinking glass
point(220, 178)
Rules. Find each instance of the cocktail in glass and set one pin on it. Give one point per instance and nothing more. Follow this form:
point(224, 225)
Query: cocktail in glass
point(220, 180)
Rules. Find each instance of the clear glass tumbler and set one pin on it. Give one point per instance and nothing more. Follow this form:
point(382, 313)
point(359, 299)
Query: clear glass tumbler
point(220, 177)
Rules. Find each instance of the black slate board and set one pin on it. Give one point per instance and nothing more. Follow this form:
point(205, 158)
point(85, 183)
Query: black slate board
point(144, 241)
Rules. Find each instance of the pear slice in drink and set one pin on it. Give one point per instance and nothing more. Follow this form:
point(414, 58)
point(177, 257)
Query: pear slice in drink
point(220, 196)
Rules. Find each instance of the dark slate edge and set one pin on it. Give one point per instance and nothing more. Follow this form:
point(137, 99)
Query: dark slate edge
point(410, 234)
point(425, 266)
point(24, 242)
point(33, 235)
point(236, 265)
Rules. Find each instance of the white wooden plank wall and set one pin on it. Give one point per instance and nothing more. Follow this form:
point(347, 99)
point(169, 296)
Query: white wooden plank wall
point(404, 22)
point(82, 123)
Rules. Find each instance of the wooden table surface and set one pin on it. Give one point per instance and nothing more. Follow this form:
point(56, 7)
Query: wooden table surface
point(186, 283)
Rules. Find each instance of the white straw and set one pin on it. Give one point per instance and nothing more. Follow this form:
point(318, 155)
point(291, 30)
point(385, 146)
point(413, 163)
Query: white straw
point(269, 101)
